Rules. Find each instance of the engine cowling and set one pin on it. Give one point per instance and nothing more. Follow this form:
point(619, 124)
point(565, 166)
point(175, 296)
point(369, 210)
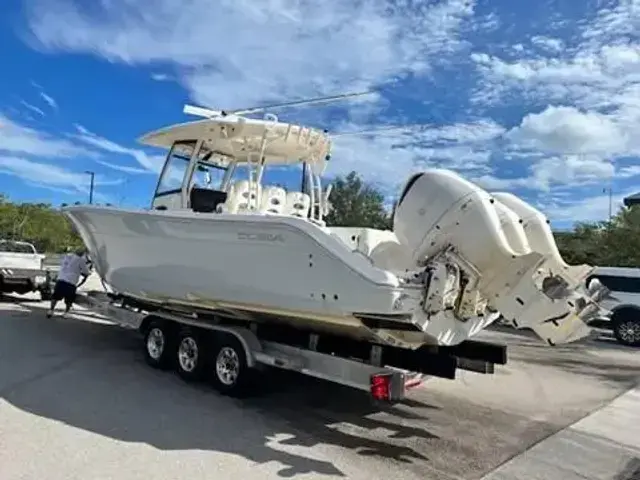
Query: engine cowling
point(438, 207)
point(440, 216)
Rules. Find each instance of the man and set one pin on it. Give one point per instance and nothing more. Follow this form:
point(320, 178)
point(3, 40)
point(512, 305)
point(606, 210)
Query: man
point(73, 266)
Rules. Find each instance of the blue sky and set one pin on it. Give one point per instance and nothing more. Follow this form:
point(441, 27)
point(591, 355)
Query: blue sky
point(538, 98)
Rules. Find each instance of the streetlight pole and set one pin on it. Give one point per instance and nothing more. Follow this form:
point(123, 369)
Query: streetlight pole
point(93, 174)
point(609, 191)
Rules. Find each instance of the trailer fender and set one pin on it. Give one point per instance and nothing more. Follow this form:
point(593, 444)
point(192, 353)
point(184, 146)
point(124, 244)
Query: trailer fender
point(247, 339)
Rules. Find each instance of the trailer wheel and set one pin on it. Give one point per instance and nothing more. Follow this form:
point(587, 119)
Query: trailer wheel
point(231, 374)
point(159, 345)
point(191, 354)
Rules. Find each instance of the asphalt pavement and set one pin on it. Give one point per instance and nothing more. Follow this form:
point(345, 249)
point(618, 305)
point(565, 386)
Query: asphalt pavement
point(77, 401)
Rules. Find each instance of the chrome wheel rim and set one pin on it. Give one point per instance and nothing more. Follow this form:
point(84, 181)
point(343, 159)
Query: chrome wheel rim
point(630, 331)
point(155, 343)
point(188, 354)
point(228, 366)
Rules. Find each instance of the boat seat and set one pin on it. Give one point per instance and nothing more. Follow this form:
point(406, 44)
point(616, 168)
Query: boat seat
point(206, 200)
point(239, 196)
point(298, 204)
point(274, 200)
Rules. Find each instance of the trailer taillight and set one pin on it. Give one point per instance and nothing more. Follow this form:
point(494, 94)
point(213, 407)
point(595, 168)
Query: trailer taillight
point(381, 386)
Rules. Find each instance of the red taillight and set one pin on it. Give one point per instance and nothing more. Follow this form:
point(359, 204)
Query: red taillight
point(381, 386)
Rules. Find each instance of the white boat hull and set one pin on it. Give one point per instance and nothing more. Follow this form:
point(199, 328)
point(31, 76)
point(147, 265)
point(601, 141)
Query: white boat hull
point(284, 267)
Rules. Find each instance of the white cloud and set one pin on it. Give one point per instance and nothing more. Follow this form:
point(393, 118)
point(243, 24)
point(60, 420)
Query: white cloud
point(33, 108)
point(49, 100)
point(491, 182)
point(18, 143)
point(261, 51)
point(49, 176)
point(587, 209)
point(571, 170)
point(488, 23)
point(160, 77)
point(557, 174)
point(590, 82)
point(586, 76)
point(18, 139)
point(149, 163)
point(599, 71)
point(549, 44)
point(123, 168)
point(561, 129)
point(628, 171)
point(612, 23)
point(388, 157)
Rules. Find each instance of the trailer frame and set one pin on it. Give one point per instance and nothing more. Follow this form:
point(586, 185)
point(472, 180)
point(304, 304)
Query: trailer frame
point(229, 351)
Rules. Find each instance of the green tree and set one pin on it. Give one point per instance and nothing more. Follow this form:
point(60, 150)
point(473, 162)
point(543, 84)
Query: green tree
point(356, 204)
point(621, 239)
point(581, 245)
point(37, 223)
point(615, 243)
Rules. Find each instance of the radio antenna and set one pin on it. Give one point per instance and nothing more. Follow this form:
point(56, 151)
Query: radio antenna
point(382, 129)
point(208, 113)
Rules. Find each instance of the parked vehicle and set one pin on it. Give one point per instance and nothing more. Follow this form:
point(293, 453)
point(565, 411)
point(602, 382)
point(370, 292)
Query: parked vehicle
point(22, 270)
point(623, 301)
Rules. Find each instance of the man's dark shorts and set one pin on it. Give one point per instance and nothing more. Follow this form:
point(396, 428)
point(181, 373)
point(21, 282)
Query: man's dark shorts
point(64, 291)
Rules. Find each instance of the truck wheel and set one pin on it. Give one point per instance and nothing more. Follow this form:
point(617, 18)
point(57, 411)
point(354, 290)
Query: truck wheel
point(159, 345)
point(191, 354)
point(230, 370)
point(626, 329)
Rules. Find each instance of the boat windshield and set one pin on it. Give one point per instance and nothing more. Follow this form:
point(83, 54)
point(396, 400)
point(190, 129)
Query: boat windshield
point(208, 176)
point(175, 168)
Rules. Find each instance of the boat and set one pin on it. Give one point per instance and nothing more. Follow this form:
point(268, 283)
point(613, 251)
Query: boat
point(216, 237)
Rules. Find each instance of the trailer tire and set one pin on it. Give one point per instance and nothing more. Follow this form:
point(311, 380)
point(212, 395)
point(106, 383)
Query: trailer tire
point(231, 374)
point(159, 345)
point(191, 354)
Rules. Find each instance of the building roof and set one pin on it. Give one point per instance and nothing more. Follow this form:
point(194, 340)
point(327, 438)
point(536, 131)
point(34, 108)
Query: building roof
point(632, 200)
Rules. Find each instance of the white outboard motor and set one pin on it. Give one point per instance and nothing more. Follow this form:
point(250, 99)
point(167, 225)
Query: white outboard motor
point(541, 240)
point(512, 226)
point(499, 253)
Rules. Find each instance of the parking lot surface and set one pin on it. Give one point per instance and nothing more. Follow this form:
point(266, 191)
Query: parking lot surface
point(77, 401)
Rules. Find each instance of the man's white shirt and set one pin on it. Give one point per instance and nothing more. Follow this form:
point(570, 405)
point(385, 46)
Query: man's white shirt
point(72, 267)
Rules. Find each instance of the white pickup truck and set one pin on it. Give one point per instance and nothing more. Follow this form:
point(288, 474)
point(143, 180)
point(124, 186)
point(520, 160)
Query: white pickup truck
point(22, 270)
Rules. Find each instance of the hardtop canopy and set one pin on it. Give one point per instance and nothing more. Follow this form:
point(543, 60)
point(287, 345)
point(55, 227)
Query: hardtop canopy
point(242, 139)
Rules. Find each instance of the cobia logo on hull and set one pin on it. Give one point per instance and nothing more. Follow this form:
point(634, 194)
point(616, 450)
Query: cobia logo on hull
point(261, 237)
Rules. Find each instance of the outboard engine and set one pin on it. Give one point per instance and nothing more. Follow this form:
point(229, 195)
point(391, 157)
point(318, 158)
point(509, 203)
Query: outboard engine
point(500, 255)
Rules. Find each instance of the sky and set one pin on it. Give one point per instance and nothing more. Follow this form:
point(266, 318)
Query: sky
point(541, 99)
